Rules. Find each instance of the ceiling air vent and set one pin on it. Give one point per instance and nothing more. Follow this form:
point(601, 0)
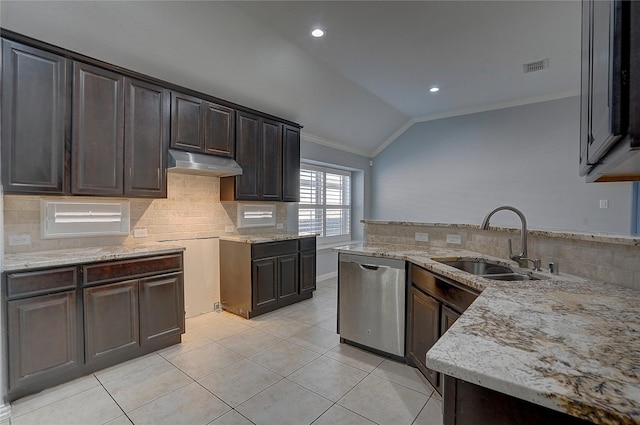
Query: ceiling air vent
point(535, 66)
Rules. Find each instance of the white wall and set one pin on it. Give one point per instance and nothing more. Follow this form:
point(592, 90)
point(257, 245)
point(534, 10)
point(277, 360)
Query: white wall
point(456, 170)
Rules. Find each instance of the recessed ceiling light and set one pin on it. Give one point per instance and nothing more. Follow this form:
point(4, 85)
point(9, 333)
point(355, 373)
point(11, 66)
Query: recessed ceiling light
point(317, 32)
point(434, 89)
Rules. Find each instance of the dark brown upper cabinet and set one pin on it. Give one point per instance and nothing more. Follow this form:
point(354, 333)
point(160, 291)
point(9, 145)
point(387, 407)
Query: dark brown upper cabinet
point(120, 135)
point(290, 164)
point(146, 139)
point(34, 111)
point(201, 126)
point(97, 142)
point(269, 153)
point(270, 173)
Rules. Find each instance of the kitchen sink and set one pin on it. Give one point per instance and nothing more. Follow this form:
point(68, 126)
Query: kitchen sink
point(489, 270)
point(478, 267)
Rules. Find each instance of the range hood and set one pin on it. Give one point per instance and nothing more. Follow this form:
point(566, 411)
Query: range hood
point(202, 165)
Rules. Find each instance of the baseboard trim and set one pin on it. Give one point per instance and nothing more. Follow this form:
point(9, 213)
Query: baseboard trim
point(5, 412)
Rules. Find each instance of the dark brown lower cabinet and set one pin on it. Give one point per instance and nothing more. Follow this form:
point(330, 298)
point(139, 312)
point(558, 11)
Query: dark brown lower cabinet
point(423, 331)
point(42, 338)
point(435, 303)
point(469, 404)
point(60, 326)
point(111, 320)
point(161, 307)
point(307, 264)
point(261, 277)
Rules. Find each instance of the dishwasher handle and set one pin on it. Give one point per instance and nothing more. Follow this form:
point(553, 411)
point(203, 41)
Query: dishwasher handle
point(372, 267)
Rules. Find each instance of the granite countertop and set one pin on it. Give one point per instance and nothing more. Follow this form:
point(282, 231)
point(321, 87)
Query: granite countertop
point(61, 257)
point(566, 343)
point(267, 237)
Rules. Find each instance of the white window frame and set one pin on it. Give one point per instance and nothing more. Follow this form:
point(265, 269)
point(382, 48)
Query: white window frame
point(73, 219)
point(331, 170)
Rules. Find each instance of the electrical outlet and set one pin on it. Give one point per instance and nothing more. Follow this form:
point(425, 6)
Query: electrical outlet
point(279, 226)
point(140, 232)
point(455, 239)
point(17, 240)
point(604, 203)
point(229, 229)
point(216, 306)
point(422, 237)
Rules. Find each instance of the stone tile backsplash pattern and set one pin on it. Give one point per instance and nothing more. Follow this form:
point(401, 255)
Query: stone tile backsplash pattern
point(617, 263)
point(192, 210)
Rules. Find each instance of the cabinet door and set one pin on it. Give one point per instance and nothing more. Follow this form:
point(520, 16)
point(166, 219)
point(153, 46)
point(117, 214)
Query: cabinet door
point(42, 337)
point(161, 307)
point(187, 127)
point(111, 319)
point(264, 282)
point(271, 161)
point(307, 271)
point(98, 131)
point(449, 316)
point(287, 276)
point(424, 322)
point(290, 164)
point(146, 139)
point(248, 156)
point(34, 108)
point(219, 130)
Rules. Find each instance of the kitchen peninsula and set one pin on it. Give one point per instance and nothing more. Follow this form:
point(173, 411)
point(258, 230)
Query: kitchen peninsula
point(566, 343)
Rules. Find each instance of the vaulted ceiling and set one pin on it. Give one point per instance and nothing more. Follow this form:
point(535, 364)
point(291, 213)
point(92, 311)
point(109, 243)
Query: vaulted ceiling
point(359, 86)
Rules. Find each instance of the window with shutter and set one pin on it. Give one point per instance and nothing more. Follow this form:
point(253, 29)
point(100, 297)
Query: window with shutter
point(325, 203)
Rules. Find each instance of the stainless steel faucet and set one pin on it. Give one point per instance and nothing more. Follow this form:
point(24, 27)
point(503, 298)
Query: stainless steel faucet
point(521, 258)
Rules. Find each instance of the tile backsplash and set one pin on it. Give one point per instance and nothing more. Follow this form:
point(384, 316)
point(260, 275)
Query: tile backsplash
point(192, 210)
point(611, 262)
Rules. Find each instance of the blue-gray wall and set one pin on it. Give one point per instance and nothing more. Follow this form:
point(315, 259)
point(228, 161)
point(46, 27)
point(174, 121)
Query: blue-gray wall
point(456, 170)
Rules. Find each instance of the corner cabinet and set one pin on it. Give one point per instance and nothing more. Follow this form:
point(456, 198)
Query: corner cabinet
point(256, 278)
point(69, 321)
point(269, 153)
point(435, 303)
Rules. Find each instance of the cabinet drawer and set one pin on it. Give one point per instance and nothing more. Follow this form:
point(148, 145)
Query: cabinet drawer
point(118, 270)
point(20, 285)
point(308, 244)
point(273, 249)
point(445, 291)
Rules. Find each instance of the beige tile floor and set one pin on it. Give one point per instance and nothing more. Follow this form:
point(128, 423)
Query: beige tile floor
point(285, 367)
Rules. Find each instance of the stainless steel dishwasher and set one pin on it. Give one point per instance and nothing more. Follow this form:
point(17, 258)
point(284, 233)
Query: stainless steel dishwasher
point(371, 302)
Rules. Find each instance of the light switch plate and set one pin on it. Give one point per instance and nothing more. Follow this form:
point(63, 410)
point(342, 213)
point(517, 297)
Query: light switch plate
point(455, 239)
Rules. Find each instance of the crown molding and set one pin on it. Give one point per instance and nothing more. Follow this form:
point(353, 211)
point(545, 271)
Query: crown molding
point(307, 137)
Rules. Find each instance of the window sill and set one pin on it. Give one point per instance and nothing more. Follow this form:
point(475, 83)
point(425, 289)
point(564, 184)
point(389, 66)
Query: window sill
point(325, 247)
